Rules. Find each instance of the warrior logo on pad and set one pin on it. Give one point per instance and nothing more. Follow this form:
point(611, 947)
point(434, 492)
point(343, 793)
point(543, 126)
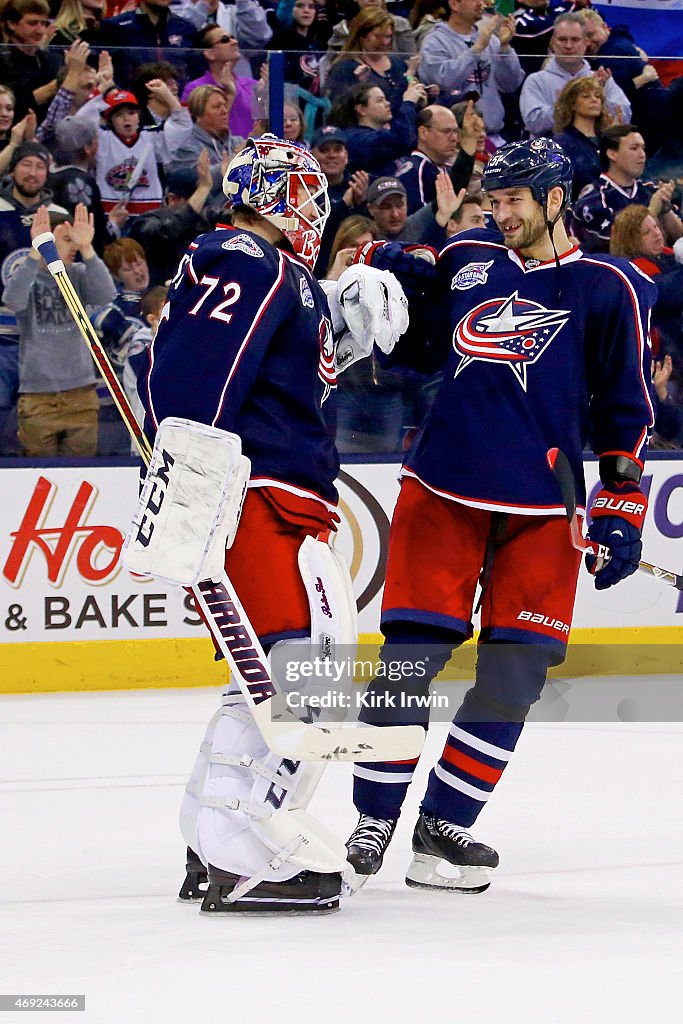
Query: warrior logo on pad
point(513, 331)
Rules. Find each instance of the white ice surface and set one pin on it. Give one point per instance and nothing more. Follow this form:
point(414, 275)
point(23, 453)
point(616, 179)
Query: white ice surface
point(583, 922)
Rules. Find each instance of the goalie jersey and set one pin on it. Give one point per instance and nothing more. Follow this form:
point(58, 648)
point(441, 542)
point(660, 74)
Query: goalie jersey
point(534, 357)
point(245, 343)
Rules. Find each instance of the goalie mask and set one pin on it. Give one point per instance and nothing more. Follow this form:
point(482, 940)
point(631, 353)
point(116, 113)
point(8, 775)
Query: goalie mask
point(284, 183)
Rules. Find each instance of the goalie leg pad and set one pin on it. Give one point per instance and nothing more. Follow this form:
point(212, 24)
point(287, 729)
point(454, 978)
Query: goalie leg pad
point(250, 821)
point(190, 504)
point(334, 614)
point(334, 626)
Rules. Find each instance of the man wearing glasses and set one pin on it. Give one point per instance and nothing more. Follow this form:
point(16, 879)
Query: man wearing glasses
point(437, 147)
point(221, 53)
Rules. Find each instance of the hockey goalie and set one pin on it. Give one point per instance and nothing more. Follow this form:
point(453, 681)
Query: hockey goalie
point(239, 401)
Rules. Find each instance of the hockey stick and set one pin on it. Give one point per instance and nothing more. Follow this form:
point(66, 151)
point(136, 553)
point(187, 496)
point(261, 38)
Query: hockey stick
point(229, 626)
point(559, 463)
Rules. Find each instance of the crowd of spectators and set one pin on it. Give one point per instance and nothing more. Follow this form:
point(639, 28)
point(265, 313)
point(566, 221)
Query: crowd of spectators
point(117, 124)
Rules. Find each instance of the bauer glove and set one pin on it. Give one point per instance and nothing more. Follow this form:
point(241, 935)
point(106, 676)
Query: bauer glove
point(617, 515)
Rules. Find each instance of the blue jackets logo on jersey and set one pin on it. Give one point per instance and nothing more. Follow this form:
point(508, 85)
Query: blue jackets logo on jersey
point(117, 177)
point(471, 275)
point(512, 331)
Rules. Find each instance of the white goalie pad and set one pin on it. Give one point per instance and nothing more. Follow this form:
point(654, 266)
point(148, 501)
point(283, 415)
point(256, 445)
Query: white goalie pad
point(309, 845)
point(334, 613)
point(243, 808)
point(375, 308)
point(190, 504)
point(299, 664)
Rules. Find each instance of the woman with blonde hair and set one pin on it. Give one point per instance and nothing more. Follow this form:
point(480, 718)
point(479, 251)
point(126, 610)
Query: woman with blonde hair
point(580, 116)
point(366, 58)
point(77, 19)
point(637, 236)
point(12, 132)
point(7, 104)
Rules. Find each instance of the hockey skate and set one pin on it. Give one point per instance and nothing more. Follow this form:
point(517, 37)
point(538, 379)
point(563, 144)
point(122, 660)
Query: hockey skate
point(196, 879)
point(309, 892)
point(435, 840)
point(366, 847)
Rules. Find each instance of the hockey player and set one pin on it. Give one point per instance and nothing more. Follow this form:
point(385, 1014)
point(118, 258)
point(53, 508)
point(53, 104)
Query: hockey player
point(245, 343)
point(543, 347)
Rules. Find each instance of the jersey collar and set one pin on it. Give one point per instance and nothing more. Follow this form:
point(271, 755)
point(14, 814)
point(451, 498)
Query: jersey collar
point(629, 193)
point(528, 266)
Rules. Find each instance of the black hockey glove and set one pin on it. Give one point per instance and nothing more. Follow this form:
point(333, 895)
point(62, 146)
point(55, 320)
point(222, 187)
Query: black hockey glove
point(413, 265)
point(617, 516)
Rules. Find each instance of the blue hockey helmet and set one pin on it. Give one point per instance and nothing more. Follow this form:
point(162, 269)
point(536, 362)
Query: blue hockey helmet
point(537, 164)
point(285, 184)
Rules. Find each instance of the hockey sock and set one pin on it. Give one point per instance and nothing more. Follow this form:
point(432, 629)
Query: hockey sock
point(472, 762)
point(486, 728)
point(380, 788)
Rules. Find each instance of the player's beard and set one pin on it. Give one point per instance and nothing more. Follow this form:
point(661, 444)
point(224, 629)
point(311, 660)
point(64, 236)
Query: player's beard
point(529, 234)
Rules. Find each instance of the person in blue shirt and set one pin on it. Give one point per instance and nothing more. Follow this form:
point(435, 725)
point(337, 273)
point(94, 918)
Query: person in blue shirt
point(137, 37)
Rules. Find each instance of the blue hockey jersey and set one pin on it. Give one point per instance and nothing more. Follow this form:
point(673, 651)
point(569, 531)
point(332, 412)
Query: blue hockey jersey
point(535, 358)
point(594, 211)
point(245, 343)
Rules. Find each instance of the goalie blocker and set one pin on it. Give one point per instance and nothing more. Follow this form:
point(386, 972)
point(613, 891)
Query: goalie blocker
point(190, 504)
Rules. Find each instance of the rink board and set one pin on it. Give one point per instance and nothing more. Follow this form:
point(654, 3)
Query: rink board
point(71, 618)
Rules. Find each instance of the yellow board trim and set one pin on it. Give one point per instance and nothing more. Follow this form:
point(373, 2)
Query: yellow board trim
point(108, 665)
point(150, 664)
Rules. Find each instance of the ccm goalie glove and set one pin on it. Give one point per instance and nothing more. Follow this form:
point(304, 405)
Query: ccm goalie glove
point(374, 307)
point(617, 515)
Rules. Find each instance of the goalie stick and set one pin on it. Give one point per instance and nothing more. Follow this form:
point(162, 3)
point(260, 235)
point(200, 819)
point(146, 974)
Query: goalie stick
point(559, 463)
point(283, 732)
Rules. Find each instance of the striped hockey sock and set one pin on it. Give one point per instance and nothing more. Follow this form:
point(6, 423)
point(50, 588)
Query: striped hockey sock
point(472, 762)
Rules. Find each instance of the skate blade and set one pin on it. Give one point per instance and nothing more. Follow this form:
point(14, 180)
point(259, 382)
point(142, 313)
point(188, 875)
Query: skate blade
point(355, 883)
point(259, 913)
point(216, 903)
point(423, 873)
